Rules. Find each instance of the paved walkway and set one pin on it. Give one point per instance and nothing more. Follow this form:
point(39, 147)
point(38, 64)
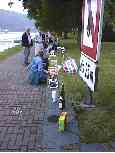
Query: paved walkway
point(23, 115)
point(23, 112)
point(22, 108)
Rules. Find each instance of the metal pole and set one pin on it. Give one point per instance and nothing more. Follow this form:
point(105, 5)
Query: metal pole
point(88, 101)
point(90, 97)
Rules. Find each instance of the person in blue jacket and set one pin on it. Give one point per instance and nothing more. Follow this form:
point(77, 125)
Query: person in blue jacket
point(37, 71)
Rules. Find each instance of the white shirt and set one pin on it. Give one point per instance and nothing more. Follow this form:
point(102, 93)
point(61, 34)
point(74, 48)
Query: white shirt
point(29, 38)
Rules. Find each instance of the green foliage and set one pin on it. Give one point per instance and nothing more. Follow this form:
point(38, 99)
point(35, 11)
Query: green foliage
point(96, 125)
point(63, 15)
point(109, 13)
point(74, 86)
point(55, 15)
point(10, 52)
point(106, 77)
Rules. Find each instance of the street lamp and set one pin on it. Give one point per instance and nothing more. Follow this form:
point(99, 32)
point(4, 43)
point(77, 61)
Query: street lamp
point(10, 3)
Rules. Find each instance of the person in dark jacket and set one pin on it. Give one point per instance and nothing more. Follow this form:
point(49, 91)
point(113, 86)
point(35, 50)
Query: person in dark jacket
point(27, 43)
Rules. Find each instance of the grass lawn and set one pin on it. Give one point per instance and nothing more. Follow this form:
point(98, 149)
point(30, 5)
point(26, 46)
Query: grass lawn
point(10, 52)
point(96, 125)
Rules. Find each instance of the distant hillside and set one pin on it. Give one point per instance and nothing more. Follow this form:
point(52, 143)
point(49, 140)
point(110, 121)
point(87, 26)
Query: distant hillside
point(14, 21)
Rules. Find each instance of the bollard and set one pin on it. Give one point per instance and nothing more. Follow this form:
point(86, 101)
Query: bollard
point(54, 96)
point(62, 98)
point(60, 103)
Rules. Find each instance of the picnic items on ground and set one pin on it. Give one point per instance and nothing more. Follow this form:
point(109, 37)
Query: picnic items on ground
point(70, 66)
point(62, 122)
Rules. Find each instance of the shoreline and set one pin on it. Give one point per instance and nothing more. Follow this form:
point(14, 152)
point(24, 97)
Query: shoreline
point(9, 52)
point(11, 39)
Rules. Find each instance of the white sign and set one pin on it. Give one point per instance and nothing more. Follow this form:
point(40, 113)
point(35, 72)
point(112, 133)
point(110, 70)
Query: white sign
point(87, 71)
point(92, 16)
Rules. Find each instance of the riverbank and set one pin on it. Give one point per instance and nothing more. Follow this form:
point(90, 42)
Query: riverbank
point(11, 39)
point(9, 52)
point(96, 125)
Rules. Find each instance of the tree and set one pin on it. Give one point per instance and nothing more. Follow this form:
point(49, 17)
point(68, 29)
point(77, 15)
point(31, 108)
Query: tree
point(64, 15)
point(109, 12)
point(55, 15)
point(109, 21)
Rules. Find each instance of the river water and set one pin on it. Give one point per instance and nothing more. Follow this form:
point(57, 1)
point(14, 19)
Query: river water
point(7, 39)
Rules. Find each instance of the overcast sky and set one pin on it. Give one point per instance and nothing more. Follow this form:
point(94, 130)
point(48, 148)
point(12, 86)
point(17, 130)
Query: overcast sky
point(17, 6)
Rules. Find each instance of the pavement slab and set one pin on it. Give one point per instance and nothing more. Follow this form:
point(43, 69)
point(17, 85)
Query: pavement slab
point(59, 141)
point(94, 147)
point(22, 108)
point(24, 111)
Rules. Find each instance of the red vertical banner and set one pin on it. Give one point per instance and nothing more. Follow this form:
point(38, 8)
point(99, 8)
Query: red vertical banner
point(92, 20)
point(91, 28)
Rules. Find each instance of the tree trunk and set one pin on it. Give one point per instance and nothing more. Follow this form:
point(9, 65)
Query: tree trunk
point(78, 37)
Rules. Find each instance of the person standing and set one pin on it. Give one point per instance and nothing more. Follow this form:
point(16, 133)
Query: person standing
point(27, 43)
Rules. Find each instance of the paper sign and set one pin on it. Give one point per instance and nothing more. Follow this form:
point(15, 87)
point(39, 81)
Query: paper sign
point(87, 71)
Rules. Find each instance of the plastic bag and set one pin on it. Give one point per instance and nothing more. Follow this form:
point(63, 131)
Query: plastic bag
point(70, 66)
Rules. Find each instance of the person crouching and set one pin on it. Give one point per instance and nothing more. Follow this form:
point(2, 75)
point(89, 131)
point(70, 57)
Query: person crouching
point(37, 73)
